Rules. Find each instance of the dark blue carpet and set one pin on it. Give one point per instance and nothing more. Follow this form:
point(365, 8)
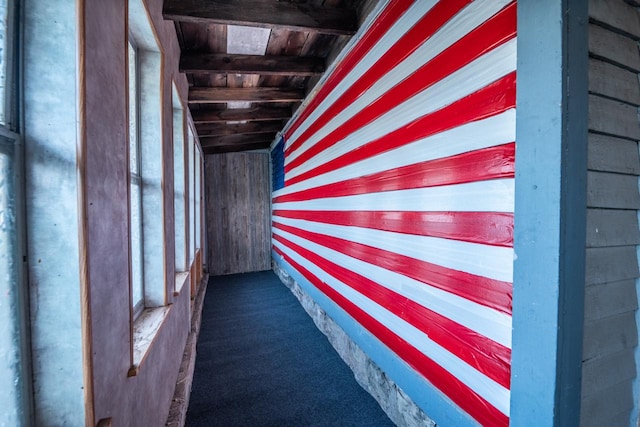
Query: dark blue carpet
point(262, 362)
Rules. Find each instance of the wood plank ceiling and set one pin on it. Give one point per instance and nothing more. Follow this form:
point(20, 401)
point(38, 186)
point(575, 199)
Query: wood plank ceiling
point(250, 63)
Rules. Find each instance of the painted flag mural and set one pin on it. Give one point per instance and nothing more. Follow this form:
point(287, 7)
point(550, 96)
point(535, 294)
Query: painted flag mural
point(395, 192)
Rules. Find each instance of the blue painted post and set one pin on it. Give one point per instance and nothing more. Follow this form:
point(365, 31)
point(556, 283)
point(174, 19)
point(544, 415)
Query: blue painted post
point(550, 212)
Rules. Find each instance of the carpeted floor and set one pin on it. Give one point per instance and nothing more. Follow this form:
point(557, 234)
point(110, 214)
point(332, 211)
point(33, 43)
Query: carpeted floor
point(262, 362)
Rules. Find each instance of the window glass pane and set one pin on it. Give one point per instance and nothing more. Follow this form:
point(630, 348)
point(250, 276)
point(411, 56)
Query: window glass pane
point(197, 194)
point(133, 110)
point(178, 187)
point(136, 243)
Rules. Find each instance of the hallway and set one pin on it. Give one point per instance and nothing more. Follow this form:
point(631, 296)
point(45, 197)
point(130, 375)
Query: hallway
point(262, 362)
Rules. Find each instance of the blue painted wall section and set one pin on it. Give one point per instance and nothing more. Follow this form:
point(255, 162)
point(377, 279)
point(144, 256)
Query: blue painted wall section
point(277, 162)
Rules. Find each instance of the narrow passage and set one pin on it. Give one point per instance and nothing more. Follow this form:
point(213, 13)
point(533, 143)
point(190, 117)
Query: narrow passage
point(262, 362)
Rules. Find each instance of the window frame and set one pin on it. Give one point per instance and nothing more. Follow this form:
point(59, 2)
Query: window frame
point(180, 183)
point(152, 142)
point(198, 195)
point(135, 179)
point(192, 196)
point(10, 102)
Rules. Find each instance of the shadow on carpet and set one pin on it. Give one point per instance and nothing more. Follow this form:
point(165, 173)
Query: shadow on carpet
point(261, 361)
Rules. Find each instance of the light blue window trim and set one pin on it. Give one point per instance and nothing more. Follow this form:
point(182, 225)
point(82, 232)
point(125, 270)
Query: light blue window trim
point(550, 212)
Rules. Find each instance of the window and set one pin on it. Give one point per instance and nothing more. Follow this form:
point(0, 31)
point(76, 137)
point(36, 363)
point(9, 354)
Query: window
point(148, 282)
point(146, 191)
point(179, 183)
point(8, 68)
point(135, 184)
point(179, 192)
point(198, 195)
point(15, 391)
point(192, 198)
point(277, 164)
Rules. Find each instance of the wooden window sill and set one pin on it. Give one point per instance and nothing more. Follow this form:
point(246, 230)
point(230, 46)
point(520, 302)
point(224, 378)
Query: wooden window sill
point(145, 330)
point(181, 279)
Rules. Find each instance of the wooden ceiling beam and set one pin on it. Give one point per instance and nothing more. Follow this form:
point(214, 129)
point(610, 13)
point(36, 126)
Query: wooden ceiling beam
point(240, 114)
point(218, 95)
point(223, 63)
point(237, 148)
point(222, 129)
point(264, 14)
point(221, 141)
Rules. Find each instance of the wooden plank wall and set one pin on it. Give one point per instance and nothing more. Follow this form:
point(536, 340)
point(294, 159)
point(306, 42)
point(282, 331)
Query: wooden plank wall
point(610, 333)
point(238, 212)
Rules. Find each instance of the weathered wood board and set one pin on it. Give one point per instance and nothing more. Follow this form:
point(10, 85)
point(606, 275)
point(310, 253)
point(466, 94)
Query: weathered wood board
point(610, 154)
point(613, 46)
point(616, 14)
point(238, 212)
point(612, 190)
point(612, 227)
point(610, 299)
point(613, 82)
point(613, 117)
point(611, 264)
point(610, 333)
point(599, 334)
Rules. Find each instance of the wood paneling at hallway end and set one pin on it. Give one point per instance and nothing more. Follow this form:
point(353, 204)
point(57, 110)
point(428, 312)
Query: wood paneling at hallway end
point(238, 207)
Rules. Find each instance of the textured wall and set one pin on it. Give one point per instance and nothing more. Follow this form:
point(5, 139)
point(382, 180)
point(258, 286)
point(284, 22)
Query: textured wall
point(52, 192)
point(143, 399)
point(76, 163)
point(398, 199)
point(610, 331)
point(237, 212)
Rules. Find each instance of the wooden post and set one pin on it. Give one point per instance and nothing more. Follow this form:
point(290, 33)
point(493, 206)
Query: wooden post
point(550, 213)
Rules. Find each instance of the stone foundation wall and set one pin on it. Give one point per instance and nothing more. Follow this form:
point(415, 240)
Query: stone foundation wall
point(398, 406)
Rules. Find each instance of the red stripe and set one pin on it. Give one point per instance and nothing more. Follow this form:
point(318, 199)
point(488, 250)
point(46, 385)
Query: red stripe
point(491, 100)
point(485, 355)
point(405, 46)
point(492, 33)
point(482, 290)
point(487, 163)
point(382, 24)
point(491, 228)
point(472, 403)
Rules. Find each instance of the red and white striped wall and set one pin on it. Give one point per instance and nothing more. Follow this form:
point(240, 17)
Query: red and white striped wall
point(399, 192)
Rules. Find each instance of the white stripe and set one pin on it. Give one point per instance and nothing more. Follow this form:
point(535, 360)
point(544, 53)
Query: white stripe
point(411, 16)
point(469, 18)
point(469, 79)
point(494, 195)
point(496, 130)
point(484, 386)
point(491, 323)
point(494, 262)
